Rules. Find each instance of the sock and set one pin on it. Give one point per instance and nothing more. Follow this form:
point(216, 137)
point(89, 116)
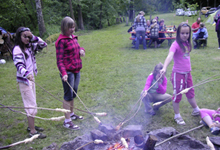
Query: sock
point(196, 109)
point(67, 120)
point(71, 113)
point(177, 116)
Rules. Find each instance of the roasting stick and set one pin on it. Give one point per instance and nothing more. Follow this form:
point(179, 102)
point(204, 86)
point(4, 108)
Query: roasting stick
point(187, 89)
point(97, 141)
point(53, 118)
point(88, 112)
point(209, 143)
point(140, 99)
point(96, 118)
point(179, 135)
point(57, 109)
point(20, 142)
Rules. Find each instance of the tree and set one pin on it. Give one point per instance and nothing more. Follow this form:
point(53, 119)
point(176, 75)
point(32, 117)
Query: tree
point(80, 17)
point(40, 18)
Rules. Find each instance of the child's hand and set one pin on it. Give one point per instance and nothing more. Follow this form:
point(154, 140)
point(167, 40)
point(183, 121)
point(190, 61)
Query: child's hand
point(163, 71)
point(144, 93)
point(82, 53)
point(215, 115)
point(218, 109)
point(64, 78)
point(30, 77)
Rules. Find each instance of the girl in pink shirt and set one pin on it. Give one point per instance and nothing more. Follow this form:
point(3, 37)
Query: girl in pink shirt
point(181, 77)
point(156, 93)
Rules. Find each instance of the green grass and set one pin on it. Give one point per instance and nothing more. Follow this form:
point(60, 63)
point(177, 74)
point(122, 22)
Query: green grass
point(112, 78)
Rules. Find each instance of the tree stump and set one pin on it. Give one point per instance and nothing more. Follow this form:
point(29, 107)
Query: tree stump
point(150, 143)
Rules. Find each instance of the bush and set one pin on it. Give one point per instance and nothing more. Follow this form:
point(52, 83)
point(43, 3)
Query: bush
point(52, 38)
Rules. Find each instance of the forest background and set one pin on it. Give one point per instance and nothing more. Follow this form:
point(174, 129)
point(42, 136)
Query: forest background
point(43, 17)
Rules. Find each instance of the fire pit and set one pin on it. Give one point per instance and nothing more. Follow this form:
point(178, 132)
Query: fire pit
point(133, 136)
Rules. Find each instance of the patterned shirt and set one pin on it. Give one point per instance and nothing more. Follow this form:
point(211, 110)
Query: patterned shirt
point(67, 54)
point(142, 23)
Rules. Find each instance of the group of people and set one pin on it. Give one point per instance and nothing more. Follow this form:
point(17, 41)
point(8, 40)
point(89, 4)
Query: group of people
point(181, 78)
point(147, 29)
point(69, 63)
point(200, 33)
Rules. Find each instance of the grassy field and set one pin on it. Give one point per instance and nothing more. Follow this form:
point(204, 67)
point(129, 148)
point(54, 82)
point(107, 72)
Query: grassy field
point(112, 79)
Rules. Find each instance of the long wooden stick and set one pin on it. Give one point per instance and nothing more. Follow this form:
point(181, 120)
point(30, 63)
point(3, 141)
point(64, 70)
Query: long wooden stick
point(179, 135)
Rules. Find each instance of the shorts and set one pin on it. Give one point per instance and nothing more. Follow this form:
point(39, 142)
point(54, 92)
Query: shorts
point(180, 82)
point(73, 80)
point(208, 112)
point(28, 94)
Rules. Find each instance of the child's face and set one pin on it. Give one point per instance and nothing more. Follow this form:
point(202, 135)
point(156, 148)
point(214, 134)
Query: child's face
point(70, 31)
point(184, 33)
point(24, 38)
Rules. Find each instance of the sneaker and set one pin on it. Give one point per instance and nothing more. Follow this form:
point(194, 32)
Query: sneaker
point(219, 48)
point(215, 130)
point(203, 122)
point(41, 136)
point(75, 117)
point(180, 121)
point(71, 125)
point(195, 113)
point(36, 128)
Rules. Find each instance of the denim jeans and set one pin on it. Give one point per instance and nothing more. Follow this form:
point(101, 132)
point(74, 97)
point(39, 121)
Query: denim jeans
point(73, 80)
point(142, 34)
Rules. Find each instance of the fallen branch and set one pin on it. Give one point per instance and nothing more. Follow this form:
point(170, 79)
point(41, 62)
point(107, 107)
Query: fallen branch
point(179, 135)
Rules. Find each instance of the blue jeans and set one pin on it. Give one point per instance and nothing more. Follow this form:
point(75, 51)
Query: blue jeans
point(142, 34)
point(73, 80)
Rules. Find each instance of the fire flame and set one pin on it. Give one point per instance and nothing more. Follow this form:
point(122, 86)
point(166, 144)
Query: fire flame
point(119, 146)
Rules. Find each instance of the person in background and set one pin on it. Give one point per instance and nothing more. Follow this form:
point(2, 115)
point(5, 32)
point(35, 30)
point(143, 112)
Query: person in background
point(211, 118)
point(202, 33)
point(154, 32)
point(217, 29)
point(140, 27)
point(181, 74)
point(161, 35)
point(195, 25)
point(24, 59)
point(69, 63)
point(157, 93)
point(133, 35)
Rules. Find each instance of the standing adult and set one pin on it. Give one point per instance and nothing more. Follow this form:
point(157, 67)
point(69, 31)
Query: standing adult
point(69, 63)
point(140, 27)
point(195, 25)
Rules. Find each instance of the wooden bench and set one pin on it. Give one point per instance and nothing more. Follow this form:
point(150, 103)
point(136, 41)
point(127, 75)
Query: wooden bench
point(170, 39)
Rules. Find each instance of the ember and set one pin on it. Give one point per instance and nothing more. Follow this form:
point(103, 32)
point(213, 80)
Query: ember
point(120, 146)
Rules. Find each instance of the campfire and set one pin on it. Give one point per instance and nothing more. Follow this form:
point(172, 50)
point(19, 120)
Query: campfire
point(121, 145)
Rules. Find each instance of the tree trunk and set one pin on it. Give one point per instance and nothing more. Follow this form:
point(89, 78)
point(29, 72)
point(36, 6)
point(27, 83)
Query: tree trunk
point(81, 26)
point(71, 10)
point(40, 18)
point(100, 17)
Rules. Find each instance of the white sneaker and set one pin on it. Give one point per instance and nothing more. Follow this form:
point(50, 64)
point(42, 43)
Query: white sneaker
point(219, 48)
point(180, 121)
point(195, 113)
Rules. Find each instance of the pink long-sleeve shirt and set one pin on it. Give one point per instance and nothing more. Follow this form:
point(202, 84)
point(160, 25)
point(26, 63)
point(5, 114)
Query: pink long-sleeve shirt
point(161, 87)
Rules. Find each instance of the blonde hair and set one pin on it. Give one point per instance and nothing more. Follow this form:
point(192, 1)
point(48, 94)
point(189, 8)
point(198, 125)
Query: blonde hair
point(66, 23)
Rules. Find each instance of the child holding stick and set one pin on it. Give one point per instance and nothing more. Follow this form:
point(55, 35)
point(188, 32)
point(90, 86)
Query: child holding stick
point(69, 63)
point(156, 93)
point(181, 74)
point(23, 56)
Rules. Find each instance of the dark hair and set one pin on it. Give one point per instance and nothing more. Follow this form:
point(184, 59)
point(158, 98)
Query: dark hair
point(157, 69)
point(18, 41)
point(178, 39)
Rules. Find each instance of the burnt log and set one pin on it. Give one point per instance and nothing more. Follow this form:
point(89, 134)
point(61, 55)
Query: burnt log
point(150, 143)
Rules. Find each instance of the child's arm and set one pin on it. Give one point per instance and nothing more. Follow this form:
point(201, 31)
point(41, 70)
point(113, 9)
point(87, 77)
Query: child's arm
point(167, 62)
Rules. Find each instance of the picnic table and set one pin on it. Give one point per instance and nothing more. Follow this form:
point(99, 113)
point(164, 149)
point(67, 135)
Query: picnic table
point(170, 36)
